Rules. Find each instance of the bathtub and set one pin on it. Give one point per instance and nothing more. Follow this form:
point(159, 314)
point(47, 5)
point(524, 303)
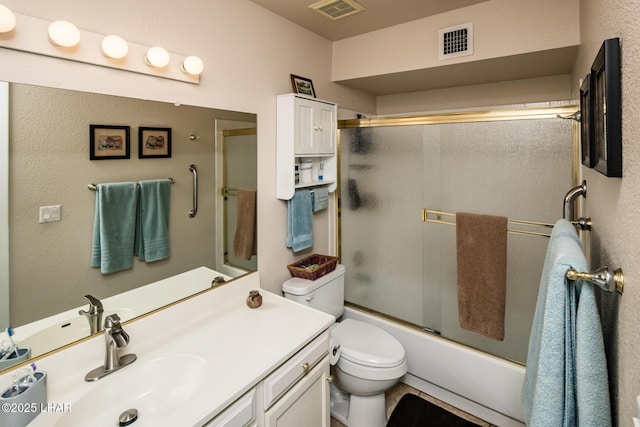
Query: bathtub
point(480, 384)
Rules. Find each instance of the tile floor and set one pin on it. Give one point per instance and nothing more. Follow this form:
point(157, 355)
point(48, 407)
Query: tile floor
point(394, 395)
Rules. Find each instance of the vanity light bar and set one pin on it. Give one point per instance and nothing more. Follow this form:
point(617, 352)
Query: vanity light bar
point(42, 37)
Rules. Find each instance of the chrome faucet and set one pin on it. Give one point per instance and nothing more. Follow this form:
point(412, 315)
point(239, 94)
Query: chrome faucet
point(94, 315)
point(115, 337)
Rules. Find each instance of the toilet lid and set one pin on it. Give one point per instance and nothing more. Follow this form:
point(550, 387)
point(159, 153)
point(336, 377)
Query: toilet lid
point(367, 344)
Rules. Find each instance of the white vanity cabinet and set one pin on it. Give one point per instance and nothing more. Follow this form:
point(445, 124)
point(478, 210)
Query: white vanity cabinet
point(307, 403)
point(241, 413)
point(306, 129)
point(303, 383)
point(294, 394)
point(216, 376)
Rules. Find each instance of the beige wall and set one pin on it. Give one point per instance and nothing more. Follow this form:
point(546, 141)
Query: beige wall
point(513, 92)
point(501, 28)
point(612, 203)
point(249, 54)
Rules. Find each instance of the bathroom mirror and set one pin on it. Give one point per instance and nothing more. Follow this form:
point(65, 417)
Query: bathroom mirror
point(49, 166)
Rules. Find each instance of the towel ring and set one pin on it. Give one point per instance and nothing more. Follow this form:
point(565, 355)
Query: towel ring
point(604, 277)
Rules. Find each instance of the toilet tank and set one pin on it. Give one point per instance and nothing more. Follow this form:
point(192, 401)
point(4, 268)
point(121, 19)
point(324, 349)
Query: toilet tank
point(325, 294)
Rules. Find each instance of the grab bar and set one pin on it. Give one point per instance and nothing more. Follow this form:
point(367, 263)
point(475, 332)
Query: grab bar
point(194, 211)
point(604, 277)
point(569, 198)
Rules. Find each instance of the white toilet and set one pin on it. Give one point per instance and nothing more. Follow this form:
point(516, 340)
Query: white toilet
point(371, 360)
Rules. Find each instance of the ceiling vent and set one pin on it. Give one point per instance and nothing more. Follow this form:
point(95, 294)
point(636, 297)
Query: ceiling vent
point(455, 41)
point(336, 9)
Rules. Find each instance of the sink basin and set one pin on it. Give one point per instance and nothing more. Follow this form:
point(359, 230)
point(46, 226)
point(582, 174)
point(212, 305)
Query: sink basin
point(158, 389)
point(64, 332)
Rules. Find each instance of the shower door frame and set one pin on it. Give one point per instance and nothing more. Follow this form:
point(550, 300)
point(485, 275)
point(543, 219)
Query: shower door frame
point(566, 112)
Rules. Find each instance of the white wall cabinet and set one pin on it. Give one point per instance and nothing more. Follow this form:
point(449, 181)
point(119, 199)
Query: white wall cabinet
point(306, 129)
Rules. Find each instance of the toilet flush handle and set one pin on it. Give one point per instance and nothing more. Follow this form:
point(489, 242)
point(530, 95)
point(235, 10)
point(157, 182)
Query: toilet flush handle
point(311, 298)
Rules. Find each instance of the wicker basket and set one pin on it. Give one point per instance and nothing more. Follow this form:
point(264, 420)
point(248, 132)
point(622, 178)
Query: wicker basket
point(313, 267)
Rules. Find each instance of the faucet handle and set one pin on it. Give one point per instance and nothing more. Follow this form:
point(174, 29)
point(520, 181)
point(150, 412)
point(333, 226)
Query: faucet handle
point(95, 305)
point(111, 321)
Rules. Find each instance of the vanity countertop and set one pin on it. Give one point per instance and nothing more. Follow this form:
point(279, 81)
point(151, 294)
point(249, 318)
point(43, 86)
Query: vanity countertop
point(239, 345)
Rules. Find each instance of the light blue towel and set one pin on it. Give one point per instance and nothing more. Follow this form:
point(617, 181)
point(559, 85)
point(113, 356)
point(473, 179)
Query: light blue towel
point(565, 347)
point(592, 379)
point(320, 198)
point(152, 231)
point(300, 221)
point(114, 227)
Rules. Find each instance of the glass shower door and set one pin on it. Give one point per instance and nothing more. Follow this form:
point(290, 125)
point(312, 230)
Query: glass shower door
point(405, 268)
point(380, 221)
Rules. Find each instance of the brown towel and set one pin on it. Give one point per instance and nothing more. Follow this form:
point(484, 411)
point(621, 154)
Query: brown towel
point(245, 232)
point(482, 273)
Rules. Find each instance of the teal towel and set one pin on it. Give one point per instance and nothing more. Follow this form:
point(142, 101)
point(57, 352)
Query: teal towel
point(592, 379)
point(114, 227)
point(320, 199)
point(300, 221)
point(152, 231)
point(565, 379)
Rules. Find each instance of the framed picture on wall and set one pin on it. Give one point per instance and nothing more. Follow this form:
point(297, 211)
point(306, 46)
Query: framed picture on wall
point(154, 142)
point(607, 109)
point(586, 123)
point(302, 85)
point(108, 142)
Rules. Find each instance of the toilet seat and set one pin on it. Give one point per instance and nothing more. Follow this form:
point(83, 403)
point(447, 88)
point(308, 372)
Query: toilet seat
point(367, 345)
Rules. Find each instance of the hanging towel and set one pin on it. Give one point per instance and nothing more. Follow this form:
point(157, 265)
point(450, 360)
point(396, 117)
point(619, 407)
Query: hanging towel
point(482, 273)
point(114, 227)
point(592, 378)
point(320, 199)
point(245, 231)
point(152, 231)
point(566, 381)
point(300, 221)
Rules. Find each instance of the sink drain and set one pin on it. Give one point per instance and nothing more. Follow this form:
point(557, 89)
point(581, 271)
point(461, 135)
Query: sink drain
point(128, 417)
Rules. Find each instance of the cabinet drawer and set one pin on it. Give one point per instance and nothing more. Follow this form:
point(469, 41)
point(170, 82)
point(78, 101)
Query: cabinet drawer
point(295, 368)
point(239, 414)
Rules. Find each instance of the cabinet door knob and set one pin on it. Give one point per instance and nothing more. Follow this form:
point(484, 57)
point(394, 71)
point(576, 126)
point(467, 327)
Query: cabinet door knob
point(305, 367)
point(330, 379)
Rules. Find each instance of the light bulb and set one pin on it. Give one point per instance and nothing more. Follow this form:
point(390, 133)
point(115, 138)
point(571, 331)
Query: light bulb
point(157, 57)
point(114, 47)
point(192, 65)
point(64, 34)
point(7, 19)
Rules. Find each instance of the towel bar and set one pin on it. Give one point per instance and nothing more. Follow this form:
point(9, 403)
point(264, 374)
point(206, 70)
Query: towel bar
point(428, 214)
point(94, 187)
point(604, 277)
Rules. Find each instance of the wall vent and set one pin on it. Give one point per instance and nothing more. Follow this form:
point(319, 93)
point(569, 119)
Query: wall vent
point(455, 41)
point(336, 9)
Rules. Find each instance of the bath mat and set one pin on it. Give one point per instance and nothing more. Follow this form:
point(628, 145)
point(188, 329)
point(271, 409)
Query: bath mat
point(413, 411)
